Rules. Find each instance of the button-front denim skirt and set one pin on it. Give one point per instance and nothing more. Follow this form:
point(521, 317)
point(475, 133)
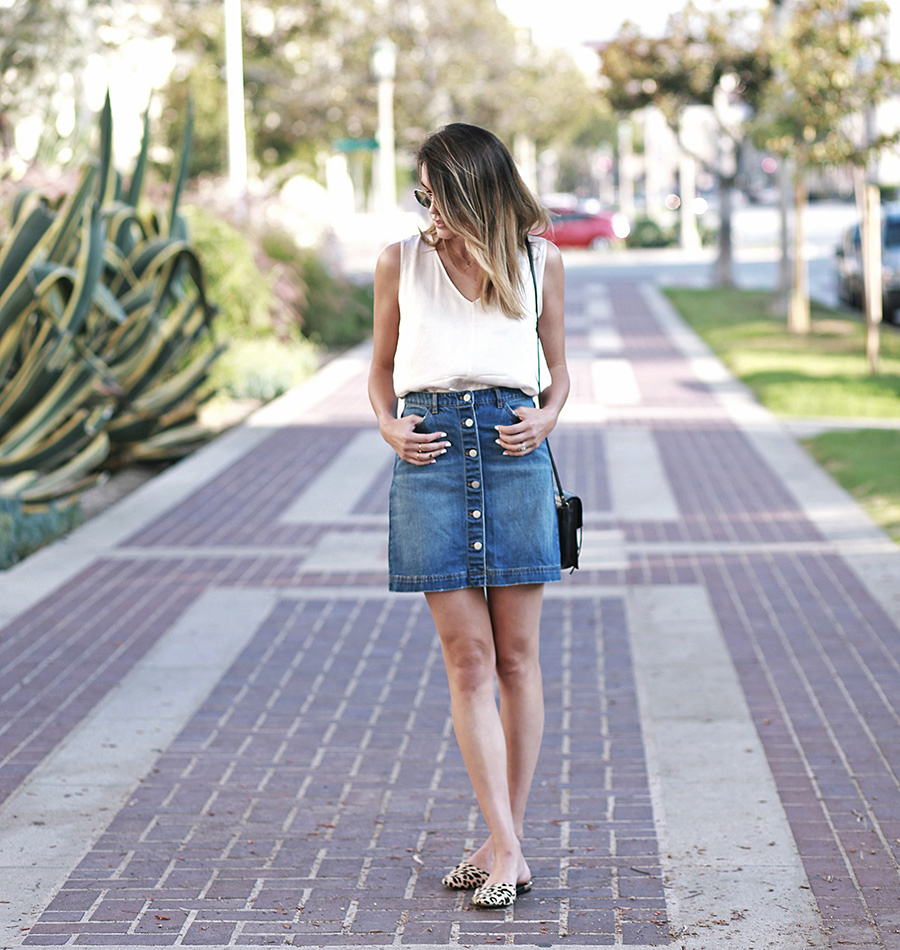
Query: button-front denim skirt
point(475, 517)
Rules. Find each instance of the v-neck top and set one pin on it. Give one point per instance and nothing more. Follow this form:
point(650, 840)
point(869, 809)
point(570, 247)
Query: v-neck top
point(448, 343)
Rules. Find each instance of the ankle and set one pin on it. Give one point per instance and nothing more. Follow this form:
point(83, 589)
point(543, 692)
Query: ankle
point(511, 852)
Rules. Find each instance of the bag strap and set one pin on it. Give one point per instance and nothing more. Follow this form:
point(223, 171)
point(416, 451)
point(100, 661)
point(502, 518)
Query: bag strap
point(537, 314)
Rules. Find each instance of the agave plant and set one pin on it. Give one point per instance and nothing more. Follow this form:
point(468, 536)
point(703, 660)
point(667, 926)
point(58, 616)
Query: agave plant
point(105, 331)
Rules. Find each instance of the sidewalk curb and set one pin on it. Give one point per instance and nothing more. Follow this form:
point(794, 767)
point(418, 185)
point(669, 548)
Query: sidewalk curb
point(872, 554)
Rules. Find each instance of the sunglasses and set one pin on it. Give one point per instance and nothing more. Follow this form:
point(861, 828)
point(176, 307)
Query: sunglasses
point(423, 198)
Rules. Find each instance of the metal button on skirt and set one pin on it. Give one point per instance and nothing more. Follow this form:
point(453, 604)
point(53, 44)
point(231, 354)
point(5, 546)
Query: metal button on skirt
point(476, 517)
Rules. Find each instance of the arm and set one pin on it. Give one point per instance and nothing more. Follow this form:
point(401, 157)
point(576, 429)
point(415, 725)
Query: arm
point(552, 331)
point(414, 447)
point(537, 424)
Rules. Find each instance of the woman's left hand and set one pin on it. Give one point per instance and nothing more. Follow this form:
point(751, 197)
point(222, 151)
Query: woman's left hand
point(525, 436)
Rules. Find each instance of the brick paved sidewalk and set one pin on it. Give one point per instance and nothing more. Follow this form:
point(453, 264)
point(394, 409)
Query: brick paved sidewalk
point(219, 729)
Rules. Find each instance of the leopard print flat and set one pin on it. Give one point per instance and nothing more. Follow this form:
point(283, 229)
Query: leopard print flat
point(464, 877)
point(493, 896)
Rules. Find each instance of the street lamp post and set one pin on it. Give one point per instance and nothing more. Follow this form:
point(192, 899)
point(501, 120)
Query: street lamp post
point(234, 81)
point(384, 68)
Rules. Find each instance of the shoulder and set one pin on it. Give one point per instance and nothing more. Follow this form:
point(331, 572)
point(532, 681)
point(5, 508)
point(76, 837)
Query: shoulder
point(547, 252)
point(554, 256)
point(393, 255)
point(389, 258)
point(554, 274)
point(388, 263)
point(387, 268)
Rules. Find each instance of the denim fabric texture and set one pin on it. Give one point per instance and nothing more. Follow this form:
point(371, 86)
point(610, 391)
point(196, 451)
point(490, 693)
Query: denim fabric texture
point(476, 517)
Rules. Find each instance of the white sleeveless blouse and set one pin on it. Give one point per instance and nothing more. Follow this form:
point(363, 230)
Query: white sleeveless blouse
point(448, 343)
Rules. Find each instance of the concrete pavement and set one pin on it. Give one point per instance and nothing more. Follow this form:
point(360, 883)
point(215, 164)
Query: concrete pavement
point(219, 729)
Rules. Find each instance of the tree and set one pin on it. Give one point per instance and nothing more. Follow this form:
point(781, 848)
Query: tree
point(43, 47)
point(466, 62)
point(829, 71)
point(305, 78)
point(704, 58)
point(308, 80)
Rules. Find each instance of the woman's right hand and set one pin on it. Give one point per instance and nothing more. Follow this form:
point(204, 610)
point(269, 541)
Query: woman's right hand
point(417, 448)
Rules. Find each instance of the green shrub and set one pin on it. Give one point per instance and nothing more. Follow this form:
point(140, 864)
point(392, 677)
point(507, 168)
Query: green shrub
point(22, 533)
point(258, 296)
point(264, 368)
point(337, 312)
point(333, 311)
point(241, 290)
point(265, 284)
point(645, 232)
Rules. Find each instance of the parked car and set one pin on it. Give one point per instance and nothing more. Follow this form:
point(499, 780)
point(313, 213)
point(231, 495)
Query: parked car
point(574, 227)
point(848, 263)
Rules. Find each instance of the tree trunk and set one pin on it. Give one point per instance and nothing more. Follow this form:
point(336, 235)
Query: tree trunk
point(798, 303)
point(869, 202)
point(725, 260)
point(775, 25)
point(779, 302)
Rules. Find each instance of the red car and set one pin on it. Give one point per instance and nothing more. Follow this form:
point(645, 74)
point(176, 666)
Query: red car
point(573, 228)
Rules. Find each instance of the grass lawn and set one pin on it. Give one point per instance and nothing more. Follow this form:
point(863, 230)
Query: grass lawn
point(824, 374)
point(867, 464)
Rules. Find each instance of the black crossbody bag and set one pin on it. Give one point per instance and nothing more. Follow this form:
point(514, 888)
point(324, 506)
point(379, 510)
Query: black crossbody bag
point(568, 506)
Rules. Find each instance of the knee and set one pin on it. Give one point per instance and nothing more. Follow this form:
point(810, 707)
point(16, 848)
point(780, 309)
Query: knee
point(470, 665)
point(517, 664)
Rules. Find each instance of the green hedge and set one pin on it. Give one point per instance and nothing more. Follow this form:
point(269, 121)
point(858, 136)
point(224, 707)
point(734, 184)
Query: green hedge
point(331, 310)
point(646, 232)
point(22, 533)
point(263, 368)
point(265, 285)
point(242, 290)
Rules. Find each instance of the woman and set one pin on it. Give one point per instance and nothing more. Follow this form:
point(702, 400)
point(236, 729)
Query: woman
point(472, 520)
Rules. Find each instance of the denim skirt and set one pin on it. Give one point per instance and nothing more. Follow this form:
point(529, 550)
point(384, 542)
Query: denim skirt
point(475, 517)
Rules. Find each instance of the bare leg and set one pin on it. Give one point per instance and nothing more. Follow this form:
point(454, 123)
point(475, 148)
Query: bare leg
point(515, 617)
point(500, 748)
point(463, 622)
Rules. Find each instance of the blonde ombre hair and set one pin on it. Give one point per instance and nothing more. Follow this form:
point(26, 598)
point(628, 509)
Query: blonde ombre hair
point(482, 197)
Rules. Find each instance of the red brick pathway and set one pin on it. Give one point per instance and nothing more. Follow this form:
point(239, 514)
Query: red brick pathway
point(317, 796)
